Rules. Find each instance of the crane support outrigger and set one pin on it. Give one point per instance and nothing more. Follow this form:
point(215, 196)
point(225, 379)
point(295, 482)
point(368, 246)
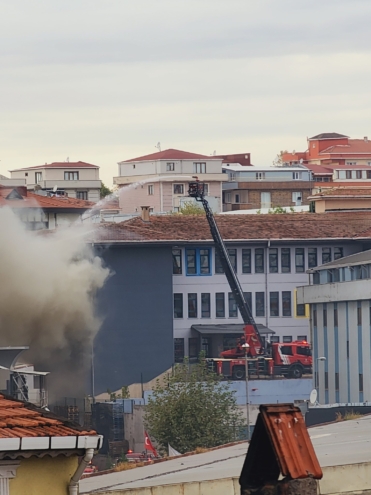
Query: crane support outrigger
point(269, 358)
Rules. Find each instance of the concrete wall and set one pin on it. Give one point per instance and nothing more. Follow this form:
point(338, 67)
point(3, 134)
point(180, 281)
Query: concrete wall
point(134, 429)
point(152, 167)
point(136, 337)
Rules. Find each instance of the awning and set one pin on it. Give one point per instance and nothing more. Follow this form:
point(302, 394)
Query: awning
point(229, 328)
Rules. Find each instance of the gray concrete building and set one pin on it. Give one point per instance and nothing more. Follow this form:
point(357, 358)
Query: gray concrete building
point(340, 307)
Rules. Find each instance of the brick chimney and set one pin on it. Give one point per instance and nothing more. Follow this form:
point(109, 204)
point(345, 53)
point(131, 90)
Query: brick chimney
point(145, 213)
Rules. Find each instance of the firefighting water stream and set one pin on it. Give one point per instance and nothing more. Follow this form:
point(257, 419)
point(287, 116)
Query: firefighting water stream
point(48, 284)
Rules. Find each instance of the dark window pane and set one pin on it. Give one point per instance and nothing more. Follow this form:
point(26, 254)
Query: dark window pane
point(287, 339)
point(178, 350)
point(299, 260)
point(259, 304)
point(312, 257)
point(246, 261)
point(359, 316)
point(205, 305)
point(274, 303)
point(273, 260)
point(286, 303)
point(300, 310)
point(204, 261)
point(177, 261)
point(193, 347)
point(233, 258)
point(191, 262)
point(178, 305)
point(192, 305)
point(338, 253)
point(326, 255)
point(274, 339)
point(232, 306)
point(315, 317)
point(303, 351)
point(259, 260)
point(220, 305)
point(248, 299)
point(324, 316)
point(316, 278)
point(336, 323)
point(286, 260)
point(218, 264)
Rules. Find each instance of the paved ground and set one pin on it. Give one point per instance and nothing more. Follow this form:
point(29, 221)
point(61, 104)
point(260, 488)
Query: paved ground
point(347, 442)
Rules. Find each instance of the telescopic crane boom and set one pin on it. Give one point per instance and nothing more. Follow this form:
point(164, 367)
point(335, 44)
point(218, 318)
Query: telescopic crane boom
point(256, 346)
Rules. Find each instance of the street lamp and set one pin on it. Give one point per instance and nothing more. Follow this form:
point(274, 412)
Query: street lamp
point(322, 358)
point(246, 348)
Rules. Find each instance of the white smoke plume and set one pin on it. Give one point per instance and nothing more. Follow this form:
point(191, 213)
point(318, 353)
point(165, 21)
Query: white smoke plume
point(48, 282)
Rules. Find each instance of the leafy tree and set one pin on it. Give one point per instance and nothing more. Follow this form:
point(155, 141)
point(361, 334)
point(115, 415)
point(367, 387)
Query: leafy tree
point(278, 161)
point(193, 409)
point(104, 191)
point(190, 208)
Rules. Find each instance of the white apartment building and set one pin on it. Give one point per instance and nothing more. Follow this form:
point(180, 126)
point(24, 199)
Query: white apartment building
point(160, 180)
point(340, 309)
point(78, 180)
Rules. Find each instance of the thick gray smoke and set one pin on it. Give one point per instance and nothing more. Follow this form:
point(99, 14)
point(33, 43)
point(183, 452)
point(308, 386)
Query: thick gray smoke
point(47, 286)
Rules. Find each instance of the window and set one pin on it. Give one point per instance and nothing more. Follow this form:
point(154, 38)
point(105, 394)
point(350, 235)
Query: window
point(265, 200)
point(358, 174)
point(246, 261)
point(273, 260)
point(178, 350)
point(170, 167)
point(192, 305)
point(299, 260)
point(296, 175)
point(198, 262)
point(312, 257)
point(285, 260)
point(274, 303)
point(220, 305)
point(232, 306)
point(205, 305)
point(338, 253)
point(248, 298)
point(348, 174)
point(315, 317)
point(178, 305)
point(287, 339)
point(359, 314)
point(303, 338)
point(82, 194)
point(324, 314)
point(150, 190)
point(260, 175)
point(178, 188)
point(368, 173)
point(26, 174)
point(193, 347)
point(228, 197)
point(232, 253)
point(316, 278)
point(336, 321)
point(38, 177)
point(350, 163)
point(199, 167)
point(177, 261)
point(326, 255)
point(297, 198)
point(71, 176)
point(274, 339)
point(206, 189)
point(236, 198)
point(286, 303)
point(259, 304)
point(300, 310)
point(259, 260)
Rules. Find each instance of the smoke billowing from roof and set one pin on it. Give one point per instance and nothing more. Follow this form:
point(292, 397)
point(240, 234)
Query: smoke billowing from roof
point(47, 288)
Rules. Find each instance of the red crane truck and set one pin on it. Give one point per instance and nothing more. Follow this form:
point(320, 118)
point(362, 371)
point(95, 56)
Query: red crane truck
point(288, 359)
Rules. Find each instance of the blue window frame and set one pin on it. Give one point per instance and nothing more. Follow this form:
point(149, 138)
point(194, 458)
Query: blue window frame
point(198, 261)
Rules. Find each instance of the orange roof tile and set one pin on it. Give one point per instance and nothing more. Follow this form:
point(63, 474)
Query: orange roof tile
point(354, 146)
point(170, 154)
point(21, 419)
point(32, 200)
point(343, 192)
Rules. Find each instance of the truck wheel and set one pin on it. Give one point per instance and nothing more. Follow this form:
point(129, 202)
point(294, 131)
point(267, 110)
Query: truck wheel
point(296, 372)
point(238, 372)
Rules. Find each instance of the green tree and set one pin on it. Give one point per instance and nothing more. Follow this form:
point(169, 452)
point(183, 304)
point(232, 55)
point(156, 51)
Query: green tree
point(104, 191)
point(193, 409)
point(278, 161)
point(191, 208)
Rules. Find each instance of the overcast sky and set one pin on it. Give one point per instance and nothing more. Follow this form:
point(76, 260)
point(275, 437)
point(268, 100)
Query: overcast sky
point(104, 81)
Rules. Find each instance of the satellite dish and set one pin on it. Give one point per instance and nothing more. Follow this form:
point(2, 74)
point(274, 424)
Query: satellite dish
point(313, 396)
point(55, 189)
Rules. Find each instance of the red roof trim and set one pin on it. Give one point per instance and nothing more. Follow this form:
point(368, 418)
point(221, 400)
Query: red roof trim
point(170, 154)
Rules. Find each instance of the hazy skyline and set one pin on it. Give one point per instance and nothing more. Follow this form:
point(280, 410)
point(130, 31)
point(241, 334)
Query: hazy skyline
point(105, 81)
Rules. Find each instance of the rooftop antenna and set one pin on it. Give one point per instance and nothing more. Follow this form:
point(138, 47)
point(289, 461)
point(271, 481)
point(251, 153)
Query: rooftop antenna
point(68, 159)
point(158, 146)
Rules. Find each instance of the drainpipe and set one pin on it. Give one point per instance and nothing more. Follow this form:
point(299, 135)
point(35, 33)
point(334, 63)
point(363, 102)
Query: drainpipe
point(73, 487)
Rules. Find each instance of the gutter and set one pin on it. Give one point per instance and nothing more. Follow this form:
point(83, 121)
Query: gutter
point(73, 487)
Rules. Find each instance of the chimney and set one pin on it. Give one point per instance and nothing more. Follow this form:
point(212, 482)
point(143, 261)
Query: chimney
point(145, 213)
point(365, 139)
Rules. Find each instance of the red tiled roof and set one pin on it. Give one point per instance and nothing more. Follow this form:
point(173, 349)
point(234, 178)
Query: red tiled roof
point(344, 191)
point(353, 147)
point(342, 183)
point(73, 165)
point(20, 419)
point(32, 200)
point(170, 154)
point(319, 169)
point(194, 228)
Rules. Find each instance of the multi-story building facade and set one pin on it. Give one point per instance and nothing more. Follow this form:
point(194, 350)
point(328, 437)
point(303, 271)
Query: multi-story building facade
point(78, 180)
point(256, 188)
point(160, 180)
point(340, 309)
